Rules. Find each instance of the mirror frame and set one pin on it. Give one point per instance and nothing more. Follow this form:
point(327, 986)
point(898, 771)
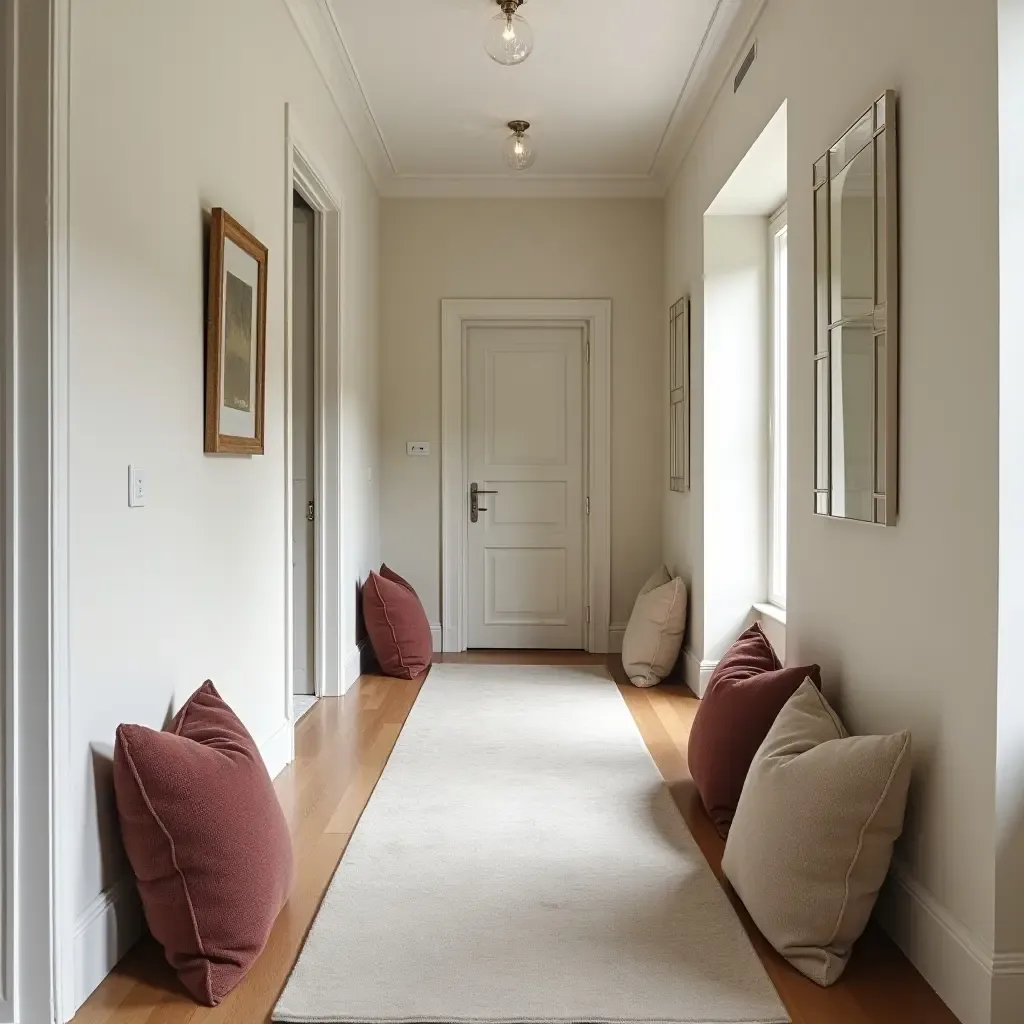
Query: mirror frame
point(679, 395)
point(885, 316)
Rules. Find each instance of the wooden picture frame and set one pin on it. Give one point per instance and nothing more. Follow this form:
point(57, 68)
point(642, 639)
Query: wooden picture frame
point(236, 339)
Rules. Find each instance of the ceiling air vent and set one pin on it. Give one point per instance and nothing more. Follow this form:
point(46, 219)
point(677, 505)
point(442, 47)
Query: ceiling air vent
point(748, 62)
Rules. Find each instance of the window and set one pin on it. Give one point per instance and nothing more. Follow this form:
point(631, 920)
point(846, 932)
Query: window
point(778, 242)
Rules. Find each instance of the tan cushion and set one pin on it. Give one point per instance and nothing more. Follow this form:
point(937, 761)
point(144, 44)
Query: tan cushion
point(812, 839)
point(654, 635)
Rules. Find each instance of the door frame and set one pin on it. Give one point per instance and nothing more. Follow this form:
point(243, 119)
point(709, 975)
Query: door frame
point(306, 175)
point(457, 315)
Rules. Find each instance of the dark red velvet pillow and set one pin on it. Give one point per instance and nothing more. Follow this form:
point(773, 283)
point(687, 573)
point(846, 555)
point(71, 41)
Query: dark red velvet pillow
point(398, 627)
point(207, 840)
point(390, 574)
point(747, 691)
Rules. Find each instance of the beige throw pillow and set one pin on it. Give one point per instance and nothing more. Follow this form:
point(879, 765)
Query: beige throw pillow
point(659, 578)
point(812, 839)
point(654, 635)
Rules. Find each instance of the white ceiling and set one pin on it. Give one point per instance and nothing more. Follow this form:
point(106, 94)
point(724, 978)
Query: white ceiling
point(615, 89)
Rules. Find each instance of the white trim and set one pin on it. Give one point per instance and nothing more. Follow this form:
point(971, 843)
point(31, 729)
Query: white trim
point(776, 521)
point(728, 30)
point(437, 635)
point(8, 220)
point(697, 673)
point(104, 932)
point(616, 634)
point(279, 751)
point(354, 666)
point(976, 984)
point(522, 186)
point(1007, 997)
point(306, 174)
point(771, 611)
point(319, 31)
point(60, 479)
point(728, 37)
point(596, 314)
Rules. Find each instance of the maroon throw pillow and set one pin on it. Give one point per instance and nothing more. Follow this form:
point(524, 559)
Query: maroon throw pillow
point(207, 841)
point(398, 628)
point(750, 655)
point(746, 693)
point(390, 574)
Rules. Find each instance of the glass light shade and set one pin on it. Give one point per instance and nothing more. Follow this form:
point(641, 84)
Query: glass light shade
point(509, 39)
point(519, 152)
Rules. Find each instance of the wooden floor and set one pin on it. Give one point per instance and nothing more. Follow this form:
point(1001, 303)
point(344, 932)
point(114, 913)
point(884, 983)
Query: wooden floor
point(342, 747)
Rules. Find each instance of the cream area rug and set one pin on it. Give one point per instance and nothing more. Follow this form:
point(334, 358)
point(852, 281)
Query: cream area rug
point(521, 862)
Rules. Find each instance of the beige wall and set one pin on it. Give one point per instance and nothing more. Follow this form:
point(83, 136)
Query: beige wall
point(902, 620)
point(453, 249)
point(1010, 785)
point(178, 107)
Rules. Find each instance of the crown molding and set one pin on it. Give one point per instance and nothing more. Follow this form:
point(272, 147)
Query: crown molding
point(731, 24)
point(727, 34)
point(319, 31)
point(527, 186)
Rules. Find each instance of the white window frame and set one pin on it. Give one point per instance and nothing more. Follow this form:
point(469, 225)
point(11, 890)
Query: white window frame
point(778, 401)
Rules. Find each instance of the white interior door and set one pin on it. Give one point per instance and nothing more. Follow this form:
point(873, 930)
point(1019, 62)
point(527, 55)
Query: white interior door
point(525, 445)
point(303, 442)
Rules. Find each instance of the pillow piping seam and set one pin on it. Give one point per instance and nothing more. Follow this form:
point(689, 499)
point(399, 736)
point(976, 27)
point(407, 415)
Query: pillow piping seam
point(387, 619)
point(174, 859)
point(860, 839)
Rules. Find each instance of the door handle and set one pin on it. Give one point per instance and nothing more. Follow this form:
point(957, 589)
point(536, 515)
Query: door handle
point(475, 508)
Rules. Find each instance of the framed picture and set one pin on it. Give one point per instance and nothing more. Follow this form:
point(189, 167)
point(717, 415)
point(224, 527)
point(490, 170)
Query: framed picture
point(236, 339)
point(679, 395)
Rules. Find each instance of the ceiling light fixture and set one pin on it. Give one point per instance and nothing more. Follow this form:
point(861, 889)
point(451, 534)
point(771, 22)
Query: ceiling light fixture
point(518, 148)
point(509, 38)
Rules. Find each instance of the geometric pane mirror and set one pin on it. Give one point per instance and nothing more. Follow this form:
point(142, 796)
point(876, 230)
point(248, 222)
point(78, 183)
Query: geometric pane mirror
point(856, 323)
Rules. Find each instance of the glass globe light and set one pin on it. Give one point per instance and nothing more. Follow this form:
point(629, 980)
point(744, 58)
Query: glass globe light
point(509, 38)
point(518, 148)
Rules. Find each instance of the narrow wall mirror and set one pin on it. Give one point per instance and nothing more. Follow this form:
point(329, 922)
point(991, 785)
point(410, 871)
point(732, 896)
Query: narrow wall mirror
point(856, 347)
point(679, 395)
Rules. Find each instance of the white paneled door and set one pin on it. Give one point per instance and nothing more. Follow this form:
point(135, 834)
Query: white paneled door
point(525, 455)
point(303, 444)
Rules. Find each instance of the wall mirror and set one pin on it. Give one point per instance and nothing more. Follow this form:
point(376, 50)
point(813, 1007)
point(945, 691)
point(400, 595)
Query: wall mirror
point(679, 395)
point(856, 348)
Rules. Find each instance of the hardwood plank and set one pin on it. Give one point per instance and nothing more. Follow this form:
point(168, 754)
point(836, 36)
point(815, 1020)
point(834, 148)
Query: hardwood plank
point(342, 747)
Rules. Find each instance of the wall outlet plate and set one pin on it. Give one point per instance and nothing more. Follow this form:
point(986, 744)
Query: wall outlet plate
point(138, 487)
point(417, 448)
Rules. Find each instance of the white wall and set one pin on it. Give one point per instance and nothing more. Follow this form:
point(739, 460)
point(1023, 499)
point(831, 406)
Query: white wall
point(903, 621)
point(735, 386)
point(447, 249)
point(1010, 779)
point(176, 108)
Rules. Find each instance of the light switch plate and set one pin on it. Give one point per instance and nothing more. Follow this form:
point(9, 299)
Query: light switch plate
point(417, 448)
point(138, 487)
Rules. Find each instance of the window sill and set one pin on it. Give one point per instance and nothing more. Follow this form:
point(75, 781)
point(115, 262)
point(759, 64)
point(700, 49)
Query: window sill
point(771, 611)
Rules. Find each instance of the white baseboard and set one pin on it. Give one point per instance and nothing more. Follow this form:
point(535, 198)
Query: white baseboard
point(616, 631)
point(354, 666)
point(437, 635)
point(698, 673)
point(104, 932)
point(979, 987)
point(1008, 989)
point(279, 751)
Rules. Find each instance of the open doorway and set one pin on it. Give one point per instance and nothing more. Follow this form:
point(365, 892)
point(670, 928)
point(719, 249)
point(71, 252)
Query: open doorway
point(304, 460)
point(313, 419)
